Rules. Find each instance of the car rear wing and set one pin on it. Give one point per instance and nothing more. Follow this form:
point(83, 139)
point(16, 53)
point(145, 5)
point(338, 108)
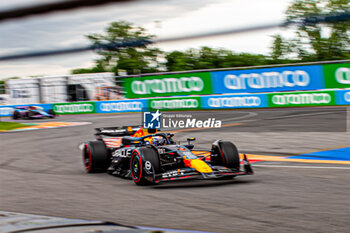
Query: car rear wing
point(22, 107)
point(136, 131)
point(117, 131)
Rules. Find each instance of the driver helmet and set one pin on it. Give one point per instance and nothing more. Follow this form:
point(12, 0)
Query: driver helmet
point(157, 141)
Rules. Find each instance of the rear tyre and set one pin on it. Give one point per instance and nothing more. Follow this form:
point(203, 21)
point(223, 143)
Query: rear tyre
point(140, 162)
point(228, 155)
point(30, 114)
point(96, 157)
point(16, 115)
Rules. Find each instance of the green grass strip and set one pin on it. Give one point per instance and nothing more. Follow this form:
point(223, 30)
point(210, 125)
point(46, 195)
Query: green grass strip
point(4, 126)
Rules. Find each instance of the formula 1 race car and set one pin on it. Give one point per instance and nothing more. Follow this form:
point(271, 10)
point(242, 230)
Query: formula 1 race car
point(150, 157)
point(31, 112)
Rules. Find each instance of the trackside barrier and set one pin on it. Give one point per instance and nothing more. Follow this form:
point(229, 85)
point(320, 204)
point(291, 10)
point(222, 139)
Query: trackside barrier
point(337, 75)
point(324, 97)
point(74, 108)
point(175, 104)
point(168, 85)
point(302, 99)
point(261, 80)
point(135, 105)
point(234, 101)
point(342, 97)
point(294, 78)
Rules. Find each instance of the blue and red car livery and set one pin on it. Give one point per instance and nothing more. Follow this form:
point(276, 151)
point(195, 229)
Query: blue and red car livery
point(150, 157)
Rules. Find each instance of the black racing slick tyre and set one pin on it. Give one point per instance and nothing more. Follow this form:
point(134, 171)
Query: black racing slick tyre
point(140, 162)
point(96, 157)
point(30, 114)
point(16, 115)
point(228, 154)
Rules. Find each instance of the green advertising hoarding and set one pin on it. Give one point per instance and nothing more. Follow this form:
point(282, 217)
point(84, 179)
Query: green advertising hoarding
point(74, 108)
point(337, 75)
point(300, 99)
point(168, 85)
point(175, 104)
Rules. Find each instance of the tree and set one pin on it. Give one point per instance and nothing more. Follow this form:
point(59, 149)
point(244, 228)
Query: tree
point(315, 42)
point(96, 69)
point(2, 87)
point(177, 61)
point(280, 48)
point(3, 84)
point(134, 60)
point(211, 58)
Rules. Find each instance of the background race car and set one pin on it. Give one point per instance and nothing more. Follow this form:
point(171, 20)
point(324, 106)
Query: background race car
point(149, 157)
point(32, 112)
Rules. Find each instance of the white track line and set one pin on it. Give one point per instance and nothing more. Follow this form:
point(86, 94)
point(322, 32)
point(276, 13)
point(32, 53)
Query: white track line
point(248, 115)
point(276, 166)
point(298, 115)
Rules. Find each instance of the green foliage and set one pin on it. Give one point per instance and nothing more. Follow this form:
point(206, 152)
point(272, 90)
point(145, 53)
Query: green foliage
point(96, 69)
point(310, 43)
point(145, 59)
point(278, 47)
point(134, 60)
point(315, 42)
point(4, 126)
point(211, 58)
point(3, 82)
point(2, 87)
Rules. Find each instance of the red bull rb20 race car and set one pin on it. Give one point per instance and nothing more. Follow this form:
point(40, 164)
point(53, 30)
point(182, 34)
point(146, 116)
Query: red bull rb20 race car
point(150, 157)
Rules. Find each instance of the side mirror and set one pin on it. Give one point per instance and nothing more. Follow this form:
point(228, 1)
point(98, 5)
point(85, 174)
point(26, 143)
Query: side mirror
point(191, 139)
point(189, 145)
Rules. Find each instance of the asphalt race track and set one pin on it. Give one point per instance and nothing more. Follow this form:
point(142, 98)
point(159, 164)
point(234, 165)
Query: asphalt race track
point(41, 173)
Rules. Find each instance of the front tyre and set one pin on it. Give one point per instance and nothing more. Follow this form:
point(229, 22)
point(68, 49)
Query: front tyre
point(227, 154)
point(144, 164)
point(96, 157)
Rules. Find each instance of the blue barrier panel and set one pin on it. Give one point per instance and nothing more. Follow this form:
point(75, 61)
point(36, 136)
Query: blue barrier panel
point(7, 110)
point(293, 78)
point(342, 97)
point(115, 106)
point(234, 101)
point(337, 154)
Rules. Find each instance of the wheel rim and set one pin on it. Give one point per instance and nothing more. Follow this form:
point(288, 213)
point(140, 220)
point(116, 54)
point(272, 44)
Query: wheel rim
point(86, 159)
point(135, 166)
